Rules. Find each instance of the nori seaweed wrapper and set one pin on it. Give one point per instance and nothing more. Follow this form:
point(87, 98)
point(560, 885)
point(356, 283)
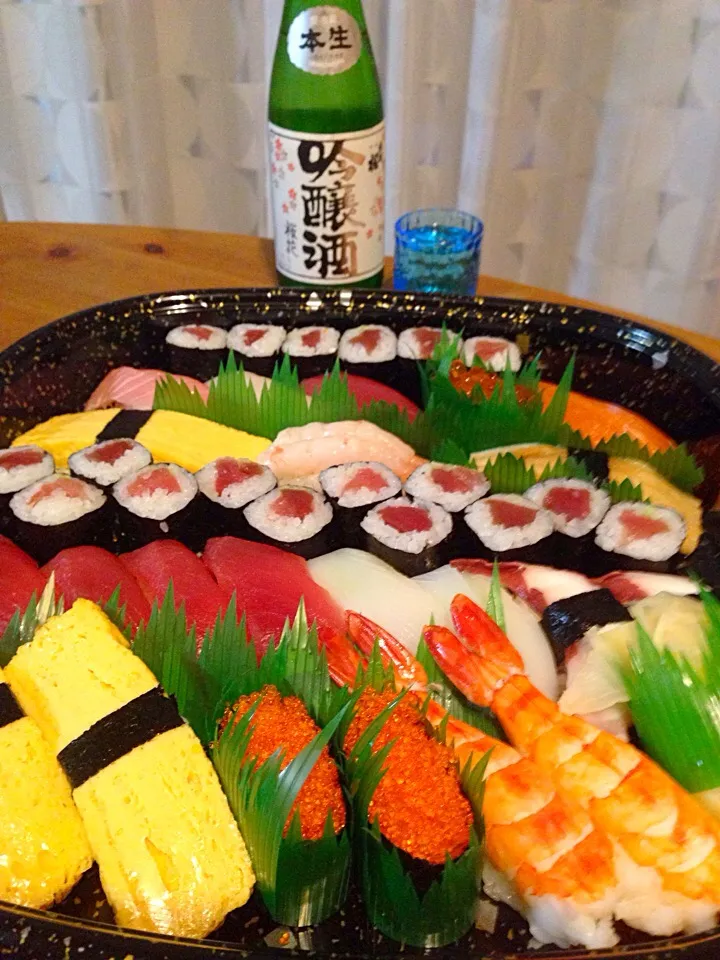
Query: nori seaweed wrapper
point(596, 462)
point(191, 362)
point(704, 561)
point(43, 542)
point(567, 621)
point(130, 532)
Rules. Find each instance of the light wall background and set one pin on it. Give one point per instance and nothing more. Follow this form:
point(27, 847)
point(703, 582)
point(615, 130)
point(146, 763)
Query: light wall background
point(586, 133)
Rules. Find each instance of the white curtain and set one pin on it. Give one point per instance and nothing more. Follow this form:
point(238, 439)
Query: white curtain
point(586, 133)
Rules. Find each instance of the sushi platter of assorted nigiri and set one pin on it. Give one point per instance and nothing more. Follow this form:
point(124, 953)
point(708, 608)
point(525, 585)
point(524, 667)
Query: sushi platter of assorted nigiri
point(357, 634)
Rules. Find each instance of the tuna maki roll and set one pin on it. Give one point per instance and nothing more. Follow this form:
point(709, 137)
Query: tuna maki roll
point(257, 345)
point(641, 531)
point(353, 487)
point(296, 517)
point(368, 344)
point(418, 343)
point(158, 502)
point(54, 513)
point(494, 352)
point(412, 536)
point(227, 485)
point(506, 521)
point(310, 349)
point(107, 462)
point(19, 467)
point(575, 506)
point(196, 350)
point(452, 487)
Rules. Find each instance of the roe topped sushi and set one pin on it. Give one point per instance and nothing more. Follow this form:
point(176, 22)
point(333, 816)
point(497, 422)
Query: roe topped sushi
point(283, 723)
point(418, 802)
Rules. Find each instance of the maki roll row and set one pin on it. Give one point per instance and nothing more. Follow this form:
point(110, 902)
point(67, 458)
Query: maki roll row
point(170, 854)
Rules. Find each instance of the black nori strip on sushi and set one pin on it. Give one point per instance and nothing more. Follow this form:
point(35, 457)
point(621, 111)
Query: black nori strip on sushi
point(126, 423)
point(10, 709)
point(567, 621)
point(596, 461)
point(189, 359)
point(312, 364)
point(389, 541)
point(133, 530)
point(266, 525)
point(117, 734)
point(705, 558)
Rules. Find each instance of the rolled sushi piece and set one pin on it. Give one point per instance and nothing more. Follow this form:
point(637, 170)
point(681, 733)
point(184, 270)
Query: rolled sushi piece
point(169, 436)
point(411, 535)
point(575, 506)
point(158, 502)
point(296, 517)
point(494, 352)
point(19, 467)
point(311, 349)
point(227, 484)
point(641, 531)
point(418, 343)
point(57, 512)
point(44, 847)
point(257, 346)
point(506, 522)
point(107, 462)
point(196, 349)
point(565, 622)
point(352, 488)
point(171, 857)
point(361, 348)
point(452, 487)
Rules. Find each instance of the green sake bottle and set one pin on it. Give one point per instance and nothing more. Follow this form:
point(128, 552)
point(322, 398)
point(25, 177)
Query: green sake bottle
point(327, 148)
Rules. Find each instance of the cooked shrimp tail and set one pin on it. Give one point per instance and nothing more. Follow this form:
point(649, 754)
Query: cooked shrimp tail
point(365, 634)
point(343, 659)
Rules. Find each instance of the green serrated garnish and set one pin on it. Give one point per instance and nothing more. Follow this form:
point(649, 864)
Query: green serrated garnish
point(22, 626)
point(509, 474)
point(495, 601)
point(302, 882)
point(446, 910)
point(626, 490)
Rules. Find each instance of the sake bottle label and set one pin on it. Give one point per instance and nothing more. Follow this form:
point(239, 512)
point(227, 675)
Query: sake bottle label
point(328, 203)
point(324, 40)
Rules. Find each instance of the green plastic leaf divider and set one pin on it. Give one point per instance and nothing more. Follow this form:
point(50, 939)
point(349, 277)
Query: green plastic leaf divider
point(22, 626)
point(302, 882)
point(495, 601)
point(445, 912)
point(674, 709)
point(626, 490)
point(509, 474)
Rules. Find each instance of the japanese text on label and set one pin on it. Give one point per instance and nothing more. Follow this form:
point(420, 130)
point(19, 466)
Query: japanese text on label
point(324, 40)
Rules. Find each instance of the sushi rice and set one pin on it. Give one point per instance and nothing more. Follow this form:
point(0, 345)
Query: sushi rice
point(157, 504)
point(311, 342)
point(335, 481)
point(266, 345)
point(88, 465)
point(184, 337)
point(413, 343)
point(414, 541)
point(263, 515)
point(496, 536)
point(20, 466)
point(56, 499)
point(598, 504)
point(240, 489)
point(496, 359)
point(612, 534)
point(371, 343)
point(448, 485)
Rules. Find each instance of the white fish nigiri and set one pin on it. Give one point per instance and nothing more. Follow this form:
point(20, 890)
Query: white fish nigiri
point(358, 581)
point(523, 628)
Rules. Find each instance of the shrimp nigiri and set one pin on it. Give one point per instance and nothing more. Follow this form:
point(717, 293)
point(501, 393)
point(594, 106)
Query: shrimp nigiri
point(301, 452)
point(668, 842)
point(547, 859)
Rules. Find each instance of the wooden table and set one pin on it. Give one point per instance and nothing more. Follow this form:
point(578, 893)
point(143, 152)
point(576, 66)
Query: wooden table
point(50, 269)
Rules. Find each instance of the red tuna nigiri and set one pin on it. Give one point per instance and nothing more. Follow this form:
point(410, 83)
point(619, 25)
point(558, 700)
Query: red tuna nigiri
point(156, 564)
point(19, 579)
point(269, 583)
point(366, 390)
point(134, 389)
point(94, 574)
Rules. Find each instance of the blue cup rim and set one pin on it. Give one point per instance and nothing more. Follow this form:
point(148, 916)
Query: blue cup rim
point(478, 226)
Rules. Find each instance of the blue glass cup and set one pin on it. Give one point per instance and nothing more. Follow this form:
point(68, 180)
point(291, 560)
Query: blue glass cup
point(437, 251)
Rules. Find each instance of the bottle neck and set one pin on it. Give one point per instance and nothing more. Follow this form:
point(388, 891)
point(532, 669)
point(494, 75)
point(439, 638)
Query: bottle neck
point(293, 7)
